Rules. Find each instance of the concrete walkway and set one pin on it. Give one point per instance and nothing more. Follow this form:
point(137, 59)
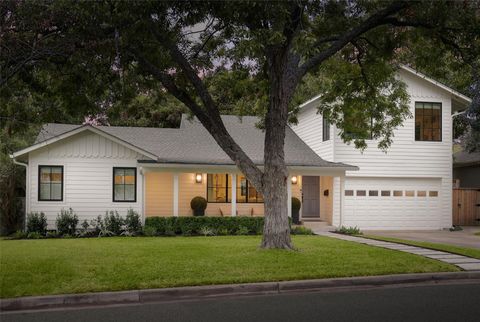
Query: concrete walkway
point(464, 262)
point(463, 238)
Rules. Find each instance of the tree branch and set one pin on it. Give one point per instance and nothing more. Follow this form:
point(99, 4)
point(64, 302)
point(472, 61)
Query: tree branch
point(373, 21)
point(210, 119)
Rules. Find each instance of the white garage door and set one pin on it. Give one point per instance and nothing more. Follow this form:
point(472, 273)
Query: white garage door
point(391, 203)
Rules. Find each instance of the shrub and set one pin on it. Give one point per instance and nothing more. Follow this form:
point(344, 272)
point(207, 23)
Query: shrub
point(301, 230)
point(112, 223)
point(296, 204)
point(19, 235)
point(37, 223)
point(52, 234)
point(198, 205)
point(242, 230)
point(207, 231)
point(149, 231)
point(66, 222)
point(133, 224)
point(192, 225)
point(349, 231)
point(34, 235)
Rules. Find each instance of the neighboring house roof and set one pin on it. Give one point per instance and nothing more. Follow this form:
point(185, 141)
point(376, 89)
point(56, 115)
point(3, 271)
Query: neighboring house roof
point(192, 143)
point(464, 159)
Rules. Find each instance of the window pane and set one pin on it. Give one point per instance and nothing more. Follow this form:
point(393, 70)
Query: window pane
point(349, 193)
point(241, 188)
point(45, 191)
point(361, 193)
point(129, 192)
point(436, 134)
point(409, 193)
point(436, 117)
point(385, 193)
point(217, 187)
point(56, 191)
point(433, 193)
point(397, 193)
point(56, 175)
point(129, 177)
point(119, 192)
point(421, 193)
point(119, 176)
point(45, 174)
point(373, 193)
point(427, 134)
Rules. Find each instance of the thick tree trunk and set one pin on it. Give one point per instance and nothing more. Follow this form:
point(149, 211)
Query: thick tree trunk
point(276, 231)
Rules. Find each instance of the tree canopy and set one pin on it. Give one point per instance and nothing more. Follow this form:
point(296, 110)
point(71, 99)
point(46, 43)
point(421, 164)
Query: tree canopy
point(132, 62)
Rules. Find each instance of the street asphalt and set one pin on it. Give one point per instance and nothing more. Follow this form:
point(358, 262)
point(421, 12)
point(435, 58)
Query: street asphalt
point(446, 302)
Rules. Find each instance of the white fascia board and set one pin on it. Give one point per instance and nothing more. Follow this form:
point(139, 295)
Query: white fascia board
point(79, 130)
point(212, 168)
point(456, 94)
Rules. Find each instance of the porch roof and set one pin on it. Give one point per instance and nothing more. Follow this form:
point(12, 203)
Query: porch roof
point(193, 144)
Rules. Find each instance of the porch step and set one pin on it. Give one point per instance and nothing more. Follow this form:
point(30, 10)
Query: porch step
point(311, 219)
point(317, 226)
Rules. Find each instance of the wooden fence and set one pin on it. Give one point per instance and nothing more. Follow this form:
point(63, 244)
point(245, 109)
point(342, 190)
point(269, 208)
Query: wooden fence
point(466, 207)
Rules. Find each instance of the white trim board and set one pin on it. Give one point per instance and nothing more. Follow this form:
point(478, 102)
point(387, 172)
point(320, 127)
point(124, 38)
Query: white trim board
point(80, 130)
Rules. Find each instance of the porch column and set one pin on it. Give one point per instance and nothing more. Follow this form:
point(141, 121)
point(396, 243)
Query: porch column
point(175, 194)
point(234, 194)
point(342, 199)
point(289, 195)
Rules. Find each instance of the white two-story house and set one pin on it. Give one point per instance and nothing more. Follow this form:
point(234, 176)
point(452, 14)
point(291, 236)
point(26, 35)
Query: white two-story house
point(157, 172)
point(407, 187)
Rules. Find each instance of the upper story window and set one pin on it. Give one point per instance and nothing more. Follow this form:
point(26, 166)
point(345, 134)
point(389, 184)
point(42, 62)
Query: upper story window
point(50, 183)
point(325, 128)
point(246, 192)
point(428, 121)
point(124, 184)
point(219, 189)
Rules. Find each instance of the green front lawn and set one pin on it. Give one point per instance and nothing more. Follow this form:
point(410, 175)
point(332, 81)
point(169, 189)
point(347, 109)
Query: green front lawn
point(53, 266)
point(471, 252)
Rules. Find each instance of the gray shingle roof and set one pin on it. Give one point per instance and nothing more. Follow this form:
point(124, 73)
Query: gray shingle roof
point(463, 158)
point(192, 144)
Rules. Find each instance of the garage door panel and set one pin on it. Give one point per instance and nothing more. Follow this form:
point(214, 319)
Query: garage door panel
point(420, 211)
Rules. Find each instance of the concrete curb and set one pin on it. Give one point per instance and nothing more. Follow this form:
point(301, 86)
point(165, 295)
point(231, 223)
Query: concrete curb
point(211, 291)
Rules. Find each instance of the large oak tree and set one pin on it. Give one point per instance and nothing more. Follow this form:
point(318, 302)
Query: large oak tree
point(352, 47)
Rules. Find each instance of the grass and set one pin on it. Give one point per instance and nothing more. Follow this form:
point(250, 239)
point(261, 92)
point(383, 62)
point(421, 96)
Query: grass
point(477, 234)
point(471, 252)
point(55, 266)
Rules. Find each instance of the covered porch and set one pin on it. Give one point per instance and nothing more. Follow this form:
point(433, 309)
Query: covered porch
point(168, 190)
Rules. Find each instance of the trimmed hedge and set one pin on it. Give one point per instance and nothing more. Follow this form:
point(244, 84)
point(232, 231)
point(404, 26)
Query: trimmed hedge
point(171, 226)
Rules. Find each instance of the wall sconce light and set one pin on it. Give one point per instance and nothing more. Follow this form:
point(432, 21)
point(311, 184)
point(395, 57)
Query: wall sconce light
point(198, 178)
point(294, 180)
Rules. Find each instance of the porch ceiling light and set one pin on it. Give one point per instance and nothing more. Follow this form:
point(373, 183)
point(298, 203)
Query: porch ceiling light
point(198, 178)
point(294, 180)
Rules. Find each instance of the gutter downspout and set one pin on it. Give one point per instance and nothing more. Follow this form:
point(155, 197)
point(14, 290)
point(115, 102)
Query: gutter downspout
point(27, 188)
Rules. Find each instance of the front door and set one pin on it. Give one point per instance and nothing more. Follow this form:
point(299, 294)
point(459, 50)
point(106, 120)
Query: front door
point(311, 197)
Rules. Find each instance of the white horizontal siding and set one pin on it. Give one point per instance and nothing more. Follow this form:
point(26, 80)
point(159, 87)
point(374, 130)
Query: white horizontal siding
point(310, 130)
point(88, 161)
point(405, 158)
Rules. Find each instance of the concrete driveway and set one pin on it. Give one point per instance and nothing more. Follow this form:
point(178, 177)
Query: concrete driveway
point(464, 238)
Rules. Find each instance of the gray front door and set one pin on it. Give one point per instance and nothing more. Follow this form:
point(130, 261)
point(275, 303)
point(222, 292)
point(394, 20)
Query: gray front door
point(311, 197)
